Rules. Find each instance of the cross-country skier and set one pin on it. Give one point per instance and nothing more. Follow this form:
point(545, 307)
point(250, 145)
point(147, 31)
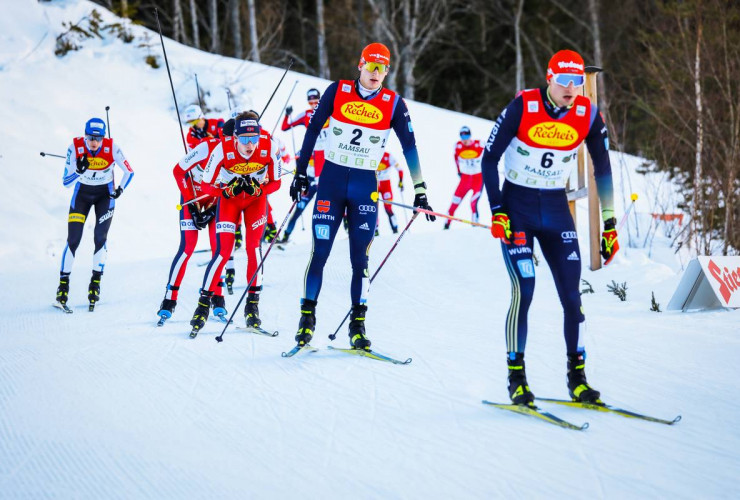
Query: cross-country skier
point(89, 168)
point(241, 171)
point(188, 175)
point(538, 134)
point(468, 154)
point(316, 162)
point(361, 114)
point(387, 164)
point(201, 128)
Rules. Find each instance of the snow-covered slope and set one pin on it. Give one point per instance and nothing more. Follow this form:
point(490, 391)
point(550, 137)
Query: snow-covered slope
point(106, 405)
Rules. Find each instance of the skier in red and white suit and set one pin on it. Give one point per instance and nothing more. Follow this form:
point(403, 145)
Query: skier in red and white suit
point(468, 155)
point(188, 175)
point(201, 128)
point(387, 164)
point(248, 165)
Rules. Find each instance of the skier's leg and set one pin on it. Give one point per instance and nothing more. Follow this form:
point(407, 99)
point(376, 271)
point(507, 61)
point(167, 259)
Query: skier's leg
point(188, 240)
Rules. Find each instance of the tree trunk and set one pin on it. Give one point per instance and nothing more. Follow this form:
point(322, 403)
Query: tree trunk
point(124, 8)
point(321, 36)
point(254, 52)
point(518, 44)
point(593, 7)
point(213, 26)
point(194, 24)
point(236, 28)
point(698, 199)
point(178, 24)
point(360, 20)
point(408, 54)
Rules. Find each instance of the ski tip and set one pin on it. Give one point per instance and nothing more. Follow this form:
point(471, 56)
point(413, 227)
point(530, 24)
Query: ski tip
point(675, 420)
point(584, 426)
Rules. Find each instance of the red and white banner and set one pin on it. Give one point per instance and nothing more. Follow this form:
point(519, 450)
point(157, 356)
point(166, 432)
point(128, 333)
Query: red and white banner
point(724, 276)
point(708, 283)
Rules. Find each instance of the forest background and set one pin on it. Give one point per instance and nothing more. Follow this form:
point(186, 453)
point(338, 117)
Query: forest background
point(669, 90)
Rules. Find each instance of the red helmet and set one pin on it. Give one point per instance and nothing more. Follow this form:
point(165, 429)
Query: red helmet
point(565, 61)
point(377, 53)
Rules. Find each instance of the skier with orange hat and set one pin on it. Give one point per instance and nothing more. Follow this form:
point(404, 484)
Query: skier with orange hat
point(538, 134)
point(361, 115)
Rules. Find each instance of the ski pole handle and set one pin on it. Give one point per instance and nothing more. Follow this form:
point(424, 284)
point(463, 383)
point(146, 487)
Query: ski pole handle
point(194, 200)
point(51, 154)
point(376, 197)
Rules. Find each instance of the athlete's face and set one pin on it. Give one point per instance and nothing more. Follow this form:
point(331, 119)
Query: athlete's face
point(372, 80)
point(246, 144)
point(198, 123)
point(93, 142)
point(467, 142)
point(314, 103)
point(563, 96)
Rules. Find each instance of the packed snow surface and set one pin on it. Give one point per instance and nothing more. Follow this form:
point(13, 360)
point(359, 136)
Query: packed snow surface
point(107, 405)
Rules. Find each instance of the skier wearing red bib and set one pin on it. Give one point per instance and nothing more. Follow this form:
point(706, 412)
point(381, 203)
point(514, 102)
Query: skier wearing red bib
point(538, 134)
point(201, 128)
point(240, 171)
point(361, 114)
point(388, 164)
point(188, 175)
point(89, 168)
point(468, 154)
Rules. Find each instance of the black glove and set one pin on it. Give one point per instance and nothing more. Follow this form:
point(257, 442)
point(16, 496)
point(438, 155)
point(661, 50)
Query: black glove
point(234, 188)
point(241, 185)
point(298, 186)
point(82, 164)
point(201, 219)
point(252, 187)
point(420, 201)
point(198, 221)
point(116, 193)
point(289, 110)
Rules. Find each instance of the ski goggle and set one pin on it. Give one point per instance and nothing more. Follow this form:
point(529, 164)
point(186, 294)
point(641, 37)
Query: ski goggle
point(248, 139)
point(313, 103)
point(193, 123)
point(565, 79)
point(97, 138)
point(372, 66)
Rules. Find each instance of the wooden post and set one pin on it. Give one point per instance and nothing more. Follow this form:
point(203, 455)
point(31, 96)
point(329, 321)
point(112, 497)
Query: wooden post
point(594, 213)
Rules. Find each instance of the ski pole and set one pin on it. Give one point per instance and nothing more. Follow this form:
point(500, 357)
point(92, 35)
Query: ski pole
point(290, 65)
point(284, 106)
point(174, 97)
point(292, 137)
point(633, 197)
point(220, 338)
point(194, 200)
point(413, 217)
point(375, 197)
point(52, 154)
point(197, 89)
point(107, 120)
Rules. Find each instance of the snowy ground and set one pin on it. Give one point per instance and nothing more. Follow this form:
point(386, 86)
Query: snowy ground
point(106, 405)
